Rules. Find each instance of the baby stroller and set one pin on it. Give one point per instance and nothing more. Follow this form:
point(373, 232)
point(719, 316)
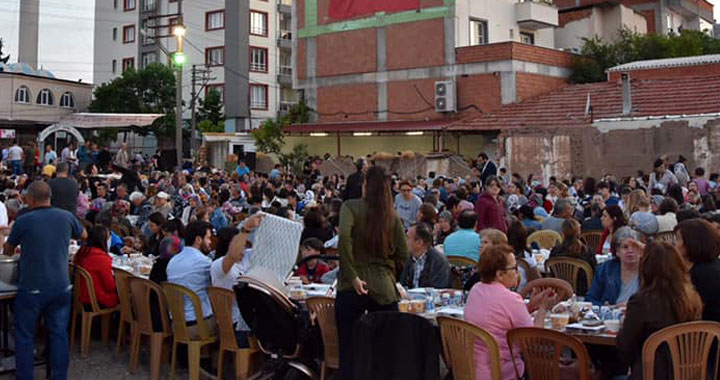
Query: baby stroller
point(280, 327)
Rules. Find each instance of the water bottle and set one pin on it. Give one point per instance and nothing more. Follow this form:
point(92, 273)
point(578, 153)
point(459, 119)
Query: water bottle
point(429, 304)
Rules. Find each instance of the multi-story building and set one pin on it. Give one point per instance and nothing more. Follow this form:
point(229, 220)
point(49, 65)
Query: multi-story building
point(245, 47)
point(663, 16)
point(392, 76)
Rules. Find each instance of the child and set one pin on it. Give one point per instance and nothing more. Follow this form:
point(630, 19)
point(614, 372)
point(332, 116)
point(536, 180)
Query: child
point(312, 271)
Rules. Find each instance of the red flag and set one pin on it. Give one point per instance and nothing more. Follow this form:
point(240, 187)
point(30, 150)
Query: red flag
point(348, 9)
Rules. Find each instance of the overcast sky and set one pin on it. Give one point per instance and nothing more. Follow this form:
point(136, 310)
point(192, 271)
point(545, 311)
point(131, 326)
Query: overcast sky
point(66, 35)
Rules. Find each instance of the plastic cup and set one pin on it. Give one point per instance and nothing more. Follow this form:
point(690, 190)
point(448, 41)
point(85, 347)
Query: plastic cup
point(559, 320)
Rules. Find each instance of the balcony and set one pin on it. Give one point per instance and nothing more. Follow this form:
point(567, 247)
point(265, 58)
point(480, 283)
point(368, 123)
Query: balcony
point(692, 8)
point(285, 75)
point(285, 107)
point(284, 6)
point(536, 14)
point(284, 39)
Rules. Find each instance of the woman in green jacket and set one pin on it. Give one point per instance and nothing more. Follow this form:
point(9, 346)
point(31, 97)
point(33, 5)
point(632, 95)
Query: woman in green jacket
point(372, 249)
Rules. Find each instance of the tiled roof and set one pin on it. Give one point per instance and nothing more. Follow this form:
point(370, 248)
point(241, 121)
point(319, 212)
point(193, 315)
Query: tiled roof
point(565, 107)
point(667, 62)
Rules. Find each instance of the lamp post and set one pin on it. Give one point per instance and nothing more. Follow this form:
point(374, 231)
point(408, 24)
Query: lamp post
point(179, 60)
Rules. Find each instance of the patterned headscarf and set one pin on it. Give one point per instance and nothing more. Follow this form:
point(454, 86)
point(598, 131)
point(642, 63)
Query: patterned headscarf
point(120, 208)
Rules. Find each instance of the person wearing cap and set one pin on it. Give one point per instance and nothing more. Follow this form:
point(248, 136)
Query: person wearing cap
point(161, 204)
point(643, 219)
point(661, 177)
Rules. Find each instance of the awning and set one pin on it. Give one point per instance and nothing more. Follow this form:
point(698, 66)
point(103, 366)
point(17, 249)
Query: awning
point(109, 120)
point(370, 126)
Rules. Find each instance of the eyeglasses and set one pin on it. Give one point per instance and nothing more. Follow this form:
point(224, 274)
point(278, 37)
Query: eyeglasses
point(515, 268)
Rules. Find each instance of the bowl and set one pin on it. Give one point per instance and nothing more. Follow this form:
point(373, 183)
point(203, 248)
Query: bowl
point(9, 269)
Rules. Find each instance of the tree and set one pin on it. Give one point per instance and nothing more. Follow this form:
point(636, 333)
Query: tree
point(599, 55)
point(150, 90)
point(210, 113)
point(269, 136)
point(296, 158)
point(6, 58)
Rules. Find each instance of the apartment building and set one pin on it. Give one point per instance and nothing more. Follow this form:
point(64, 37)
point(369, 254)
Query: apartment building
point(244, 46)
point(663, 16)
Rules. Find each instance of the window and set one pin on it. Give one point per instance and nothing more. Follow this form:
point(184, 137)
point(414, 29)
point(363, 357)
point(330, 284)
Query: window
point(258, 59)
point(216, 87)
point(148, 26)
point(148, 58)
point(215, 56)
point(115, 4)
point(114, 34)
point(128, 34)
point(128, 5)
point(527, 38)
point(149, 5)
point(114, 66)
point(215, 20)
point(128, 63)
point(258, 97)
point(258, 23)
point(22, 95)
point(478, 32)
point(67, 100)
point(45, 98)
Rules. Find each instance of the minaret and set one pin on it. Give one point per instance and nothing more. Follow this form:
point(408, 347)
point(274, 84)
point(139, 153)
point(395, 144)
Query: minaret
point(28, 47)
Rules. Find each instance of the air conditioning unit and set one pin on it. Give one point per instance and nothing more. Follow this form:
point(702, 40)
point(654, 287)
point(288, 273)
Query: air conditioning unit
point(445, 96)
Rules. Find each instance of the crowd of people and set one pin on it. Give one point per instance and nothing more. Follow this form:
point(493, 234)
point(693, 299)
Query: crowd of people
point(198, 224)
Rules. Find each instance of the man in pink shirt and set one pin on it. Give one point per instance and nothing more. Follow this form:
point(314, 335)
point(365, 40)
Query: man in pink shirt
point(494, 307)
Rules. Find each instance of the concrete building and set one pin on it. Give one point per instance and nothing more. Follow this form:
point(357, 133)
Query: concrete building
point(662, 16)
point(220, 36)
point(393, 78)
point(602, 20)
point(619, 126)
point(31, 100)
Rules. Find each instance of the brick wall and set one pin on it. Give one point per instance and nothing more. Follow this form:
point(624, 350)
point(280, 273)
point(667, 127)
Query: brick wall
point(415, 44)
point(480, 90)
point(301, 59)
point(650, 19)
point(347, 52)
point(407, 97)
point(671, 72)
point(531, 85)
point(513, 50)
point(300, 13)
point(567, 17)
point(347, 99)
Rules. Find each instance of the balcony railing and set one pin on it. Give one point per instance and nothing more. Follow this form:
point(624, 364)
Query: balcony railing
point(284, 6)
point(285, 70)
point(285, 106)
point(536, 14)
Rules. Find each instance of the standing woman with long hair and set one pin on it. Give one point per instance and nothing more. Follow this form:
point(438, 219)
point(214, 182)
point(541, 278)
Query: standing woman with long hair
point(372, 249)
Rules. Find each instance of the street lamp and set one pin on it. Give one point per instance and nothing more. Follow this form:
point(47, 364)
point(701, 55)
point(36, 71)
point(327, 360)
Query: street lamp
point(179, 61)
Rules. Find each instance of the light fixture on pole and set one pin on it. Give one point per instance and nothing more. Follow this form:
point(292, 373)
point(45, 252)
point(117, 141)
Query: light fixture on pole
point(179, 61)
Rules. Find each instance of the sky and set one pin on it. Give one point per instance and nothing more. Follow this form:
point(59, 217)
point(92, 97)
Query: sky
point(66, 35)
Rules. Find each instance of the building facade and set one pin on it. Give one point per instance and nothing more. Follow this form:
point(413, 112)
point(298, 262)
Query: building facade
point(244, 47)
point(662, 16)
point(374, 78)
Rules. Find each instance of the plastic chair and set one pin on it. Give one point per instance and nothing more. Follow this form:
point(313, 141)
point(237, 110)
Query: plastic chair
point(546, 239)
point(176, 299)
point(690, 348)
point(126, 317)
point(568, 269)
point(458, 340)
point(593, 239)
point(667, 236)
point(531, 273)
point(246, 359)
point(82, 276)
point(542, 349)
point(562, 288)
point(141, 291)
point(324, 309)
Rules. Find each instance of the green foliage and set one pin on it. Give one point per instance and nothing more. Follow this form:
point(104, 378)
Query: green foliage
point(269, 137)
point(104, 136)
point(206, 126)
point(6, 58)
point(210, 113)
point(599, 55)
point(150, 90)
point(296, 158)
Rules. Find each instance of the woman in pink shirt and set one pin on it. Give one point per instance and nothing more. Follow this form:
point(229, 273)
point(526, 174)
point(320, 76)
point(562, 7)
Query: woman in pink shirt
point(495, 308)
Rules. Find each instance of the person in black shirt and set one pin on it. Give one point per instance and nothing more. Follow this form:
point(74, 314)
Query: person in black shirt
point(353, 188)
point(698, 242)
point(64, 189)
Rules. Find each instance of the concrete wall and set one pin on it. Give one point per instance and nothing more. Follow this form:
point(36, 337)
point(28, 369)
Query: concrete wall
point(620, 148)
point(10, 110)
point(603, 22)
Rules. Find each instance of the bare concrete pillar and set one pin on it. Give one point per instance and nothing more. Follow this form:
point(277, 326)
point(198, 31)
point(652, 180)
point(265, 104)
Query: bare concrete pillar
point(28, 47)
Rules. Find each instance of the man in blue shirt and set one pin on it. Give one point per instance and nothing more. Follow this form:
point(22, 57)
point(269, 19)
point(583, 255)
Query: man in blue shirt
point(44, 285)
point(191, 269)
point(465, 241)
point(242, 169)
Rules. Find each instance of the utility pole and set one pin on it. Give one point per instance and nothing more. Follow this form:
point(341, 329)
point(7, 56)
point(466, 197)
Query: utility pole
point(195, 94)
point(179, 32)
